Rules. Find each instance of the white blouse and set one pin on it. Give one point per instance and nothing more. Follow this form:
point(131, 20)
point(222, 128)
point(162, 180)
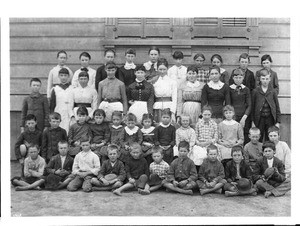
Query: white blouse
point(178, 74)
point(92, 77)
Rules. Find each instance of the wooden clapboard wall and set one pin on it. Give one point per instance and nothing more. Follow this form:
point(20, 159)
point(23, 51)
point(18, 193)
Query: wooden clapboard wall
point(34, 43)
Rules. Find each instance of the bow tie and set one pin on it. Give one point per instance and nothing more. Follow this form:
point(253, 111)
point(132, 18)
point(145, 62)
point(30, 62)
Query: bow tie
point(84, 69)
point(238, 89)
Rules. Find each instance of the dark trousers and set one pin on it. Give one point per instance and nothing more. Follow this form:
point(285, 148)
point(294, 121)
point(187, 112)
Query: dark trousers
point(264, 124)
point(247, 127)
point(168, 155)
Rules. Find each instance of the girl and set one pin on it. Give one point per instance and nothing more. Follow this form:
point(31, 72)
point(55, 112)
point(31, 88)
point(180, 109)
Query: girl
point(165, 90)
point(185, 133)
point(148, 136)
point(215, 93)
point(85, 58)
point(140, 94)
point(217, 60)
point(53, 74)
point(164, 135)
point(116, 129)
point(189, 96)
point(151, 65)
point(126, 72)
point(230, 134)
point(203, 75)
point(266, 62)
point(206, 134)
point(178, 72)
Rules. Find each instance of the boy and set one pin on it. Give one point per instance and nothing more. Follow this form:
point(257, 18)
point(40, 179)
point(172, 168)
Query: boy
point(211, 173)
point(182, 174)
point(112, 173)
point(36, 104)
point(101, 74)
point(283, 151)
point(31, 135)
point(265, 106)
point(178, 72)
point(111, 92)
point(238, 175)
point(33, 171)
point(86, 166)
point(253, 149)
point(78, 130)
point(269, 173)
point(51, 137)
point(60, 165)
point(137, 171)
point(60, 100)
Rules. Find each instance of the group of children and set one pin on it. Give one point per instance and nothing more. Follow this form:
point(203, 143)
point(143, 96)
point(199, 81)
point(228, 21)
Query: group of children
point(150, 126)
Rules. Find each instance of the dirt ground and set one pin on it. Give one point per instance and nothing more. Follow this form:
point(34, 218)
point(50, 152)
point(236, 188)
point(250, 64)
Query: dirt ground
point(64, 203)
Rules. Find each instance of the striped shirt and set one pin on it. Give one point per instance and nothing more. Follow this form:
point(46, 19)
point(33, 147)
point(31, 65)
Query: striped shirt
point(206, 131)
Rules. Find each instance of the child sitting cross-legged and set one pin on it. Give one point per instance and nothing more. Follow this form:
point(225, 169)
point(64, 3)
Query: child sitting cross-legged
point(238, 175)
point(112, 173)
point(137, 171)
point(182, 174)
point(211, 173)
point(34, 166)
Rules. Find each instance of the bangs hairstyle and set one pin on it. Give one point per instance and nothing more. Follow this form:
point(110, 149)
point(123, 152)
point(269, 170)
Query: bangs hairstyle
point(99, 112)
point(207, 108)
point(254, 130)
point(130, 117)
point(110, 65)
point(211, 147)
point(153, 48)
point(30, 117)
point(62, 142)
point(237, 148)
point(266, 57)
point(228, 108)
point(199, 55)
point(82, 111)
point(117, 113)
point(177, 55)
point(216, 56)
point(64, 71)
point(140, 68)
point(55, 115)
point(166, 111)
point(63, 52)
point(35, 80)
point(157, 149)
point(273, 129)
point(192, 68)
point(85, 139)
point(83, 74)
point(147, 116)
point(109, 50)
point(130, 51)
point(162, 61)
point(85, 54)
point(237, 72)
point(263, 73)
point(182, 116)
point(269, 144)
point(244, 56)
point(112, 147)
point(214, 67)
point(31, 145)
point(184, 144)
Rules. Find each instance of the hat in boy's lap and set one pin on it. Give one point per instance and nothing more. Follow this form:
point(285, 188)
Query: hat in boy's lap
point(269, 172)
point(52, 182)
point(244, 185)
point(110, 177)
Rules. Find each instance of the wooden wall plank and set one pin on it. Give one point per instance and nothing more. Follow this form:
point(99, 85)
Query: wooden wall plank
point(56, 20)
point(280, 45)
point(276, 21)
point(274, 31)
point(15, 123)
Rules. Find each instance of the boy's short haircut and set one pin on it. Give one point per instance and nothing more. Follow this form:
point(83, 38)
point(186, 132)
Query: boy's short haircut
point(180, 119)
point(64, 71)
point(130, 51)
point(263, 72)
point(109, 50)
point(211, 147)
point(82, 111)
point(273, 129)
point(85, 54)
point(84, 74)
point(34, 146)
point(244, 56)
point(130, 117)
point(35, 80)
point(166, 111)
point(55, 115)
point(237, 148)
point(110, 65)
point(61, 51)
point(269, 144)
point(30, 117)
point(153, 48)
point(199, 55)
point(177, 55)
point(62, 142)
point(237, 72)
point(214, 67)
point(99, 112)
point(254, 130)
point(111, 147)
point(117, 113)
point(157, 149)
point(162, 61)
point(140, 68)
point(216, 56)
point(84, 139)
point(266, 57)
point(207, 108)
point(135, 145)
point(228, 108)
point(192, 68)
point(184, 144)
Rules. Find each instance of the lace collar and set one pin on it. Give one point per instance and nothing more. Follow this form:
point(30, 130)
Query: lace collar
point(129, 66)
point(165, 126)
point(131, 131)
point(149, 130)
point(216, 86)
point(116, 127)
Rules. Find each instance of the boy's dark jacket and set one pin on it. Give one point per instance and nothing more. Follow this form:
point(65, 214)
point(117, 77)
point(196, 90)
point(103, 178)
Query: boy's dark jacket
point(55, 164)
point(258, 99)
point(231, 171)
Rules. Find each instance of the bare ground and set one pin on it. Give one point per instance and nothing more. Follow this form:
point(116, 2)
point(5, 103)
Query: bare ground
point(161, 203)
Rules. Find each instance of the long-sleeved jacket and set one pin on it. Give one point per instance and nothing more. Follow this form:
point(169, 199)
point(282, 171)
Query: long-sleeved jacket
point(182, 169)
point(211, 171)
point(231, 171)
point(55, 164)
point(117, 169)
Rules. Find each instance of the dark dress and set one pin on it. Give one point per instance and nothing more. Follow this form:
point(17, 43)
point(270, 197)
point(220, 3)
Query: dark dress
point(249, 79)
point(126, 76)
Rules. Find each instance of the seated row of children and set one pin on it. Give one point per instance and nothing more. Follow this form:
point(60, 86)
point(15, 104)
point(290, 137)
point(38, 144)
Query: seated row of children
point(180, 176)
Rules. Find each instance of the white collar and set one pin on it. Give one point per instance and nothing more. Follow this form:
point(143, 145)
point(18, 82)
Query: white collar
point(222, 70)
point(149, 130)
point(116, 127)
point(193, 85)
point(138, 80)
point(233, 86)
point(165, 126)
point(214, 85)
point(148, 64)
point(229, 123)
point(131, 131)
point(129, 66)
